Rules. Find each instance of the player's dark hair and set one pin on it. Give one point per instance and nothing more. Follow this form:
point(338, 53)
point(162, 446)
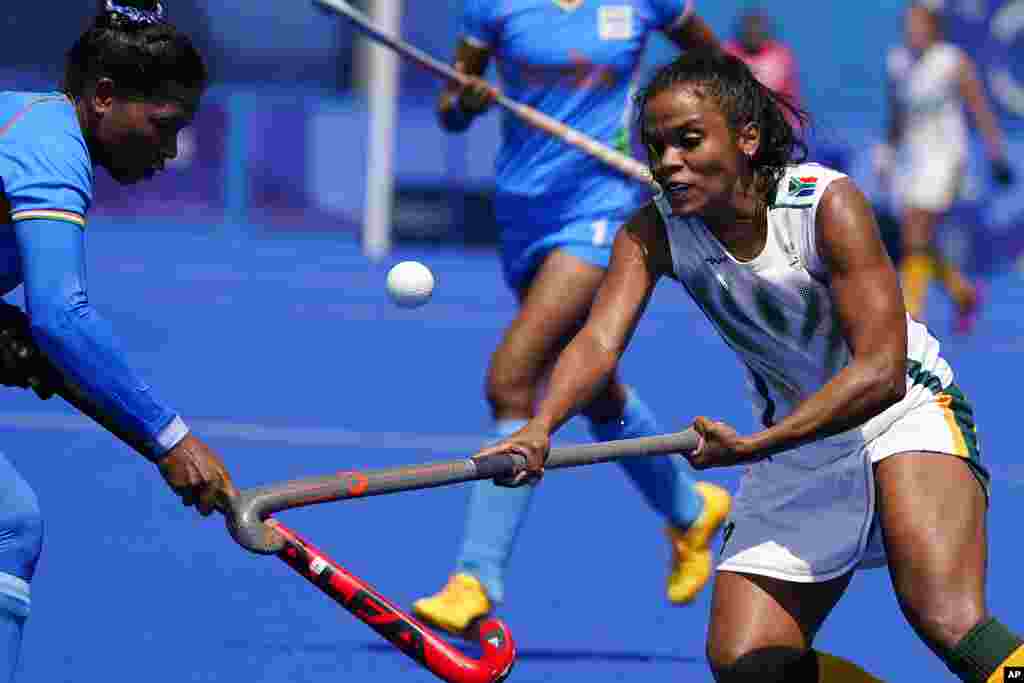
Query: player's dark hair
point(131, 43)
point(742, 99)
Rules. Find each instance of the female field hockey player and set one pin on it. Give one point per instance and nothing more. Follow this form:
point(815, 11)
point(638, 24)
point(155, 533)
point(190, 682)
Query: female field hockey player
point(559, 210)
point(132, 82)
point(868, 451)
point(930, 82)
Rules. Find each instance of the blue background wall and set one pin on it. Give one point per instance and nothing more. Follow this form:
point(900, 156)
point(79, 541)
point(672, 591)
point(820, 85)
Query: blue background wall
point(281, 139)
point(840, 45)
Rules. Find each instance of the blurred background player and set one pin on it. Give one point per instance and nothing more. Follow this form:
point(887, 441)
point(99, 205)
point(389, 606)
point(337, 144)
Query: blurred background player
point(865, 436)
point(930, 82)
point(132, 83)
point(558, 212)
point(771, 60)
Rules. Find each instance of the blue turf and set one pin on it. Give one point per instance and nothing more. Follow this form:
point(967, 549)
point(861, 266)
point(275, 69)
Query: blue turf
point(297, 333)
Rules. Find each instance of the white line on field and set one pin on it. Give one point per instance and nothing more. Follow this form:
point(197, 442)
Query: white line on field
point(263, 433)
point(1012, 474)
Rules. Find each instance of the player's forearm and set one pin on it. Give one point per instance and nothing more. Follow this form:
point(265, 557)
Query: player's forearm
point(856, 394)
point(973, 91)
point(991, 133)
point(83, 347)
point(583, 368)
point(79, 342)
point(995, 143)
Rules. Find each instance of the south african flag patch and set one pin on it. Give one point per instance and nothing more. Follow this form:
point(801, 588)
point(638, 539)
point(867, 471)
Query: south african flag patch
point(802, 187)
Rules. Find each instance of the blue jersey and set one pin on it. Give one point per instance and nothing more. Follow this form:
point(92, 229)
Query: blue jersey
point(45, 169)
point(578, 62)
point(46, 180)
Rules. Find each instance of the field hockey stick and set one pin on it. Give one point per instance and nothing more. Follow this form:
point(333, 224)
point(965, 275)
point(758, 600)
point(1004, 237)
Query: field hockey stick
point(249, 523)
point(254, 505)
point(622, 163)
point(251, 527)
point(401, 630)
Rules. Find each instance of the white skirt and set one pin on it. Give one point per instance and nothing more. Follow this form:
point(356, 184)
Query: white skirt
point(809, 514)
point(932, 179)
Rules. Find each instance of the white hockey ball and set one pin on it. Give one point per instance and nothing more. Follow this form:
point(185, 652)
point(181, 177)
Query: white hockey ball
point(410, 284)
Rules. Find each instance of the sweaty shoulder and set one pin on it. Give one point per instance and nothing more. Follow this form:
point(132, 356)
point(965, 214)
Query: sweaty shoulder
point(647, 228)
point(45, 169)
point(846, 224)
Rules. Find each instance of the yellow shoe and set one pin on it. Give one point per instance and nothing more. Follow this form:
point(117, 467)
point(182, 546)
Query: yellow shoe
point(461, 602)
point(691, 556)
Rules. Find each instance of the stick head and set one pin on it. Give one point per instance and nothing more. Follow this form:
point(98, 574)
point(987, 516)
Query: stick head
point(499, 649)
point(245, 524)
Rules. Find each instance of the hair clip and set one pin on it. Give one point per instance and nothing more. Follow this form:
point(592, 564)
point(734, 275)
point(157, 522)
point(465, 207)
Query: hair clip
point(136, 15)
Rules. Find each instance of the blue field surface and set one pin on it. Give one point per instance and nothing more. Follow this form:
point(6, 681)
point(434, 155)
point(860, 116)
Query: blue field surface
point(286, 354)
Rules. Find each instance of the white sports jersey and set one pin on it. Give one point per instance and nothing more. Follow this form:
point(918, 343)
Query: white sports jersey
point(928, 88)
point(776, 311)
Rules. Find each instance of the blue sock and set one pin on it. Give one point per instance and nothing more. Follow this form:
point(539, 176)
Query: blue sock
point(21, 540)
point(12, 620)
point(492, 523)
point(663, 480)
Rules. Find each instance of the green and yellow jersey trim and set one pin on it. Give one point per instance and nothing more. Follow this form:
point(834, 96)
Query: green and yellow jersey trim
point(959, 416)
point(960, 419)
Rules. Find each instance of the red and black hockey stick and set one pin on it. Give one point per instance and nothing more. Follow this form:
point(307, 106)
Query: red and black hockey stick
point(269, 536)
point(252, 527)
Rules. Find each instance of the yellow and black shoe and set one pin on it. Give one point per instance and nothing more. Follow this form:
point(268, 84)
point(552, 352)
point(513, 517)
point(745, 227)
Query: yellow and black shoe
point(455, 607)
point(691, 552)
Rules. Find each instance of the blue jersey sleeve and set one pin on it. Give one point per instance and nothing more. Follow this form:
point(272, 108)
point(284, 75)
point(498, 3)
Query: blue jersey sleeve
point(79, 341)
point(478, 25)
point(44, 163)
point(46, 176)
point(670, 13)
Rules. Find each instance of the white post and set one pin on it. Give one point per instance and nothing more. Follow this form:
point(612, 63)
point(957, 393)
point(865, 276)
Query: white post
point(381, 88)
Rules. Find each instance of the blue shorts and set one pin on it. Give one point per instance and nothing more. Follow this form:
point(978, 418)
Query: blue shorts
point(589, 239)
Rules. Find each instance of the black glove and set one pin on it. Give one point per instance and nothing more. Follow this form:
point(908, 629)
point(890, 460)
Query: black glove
point(1002, 172)
point(22, 364)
